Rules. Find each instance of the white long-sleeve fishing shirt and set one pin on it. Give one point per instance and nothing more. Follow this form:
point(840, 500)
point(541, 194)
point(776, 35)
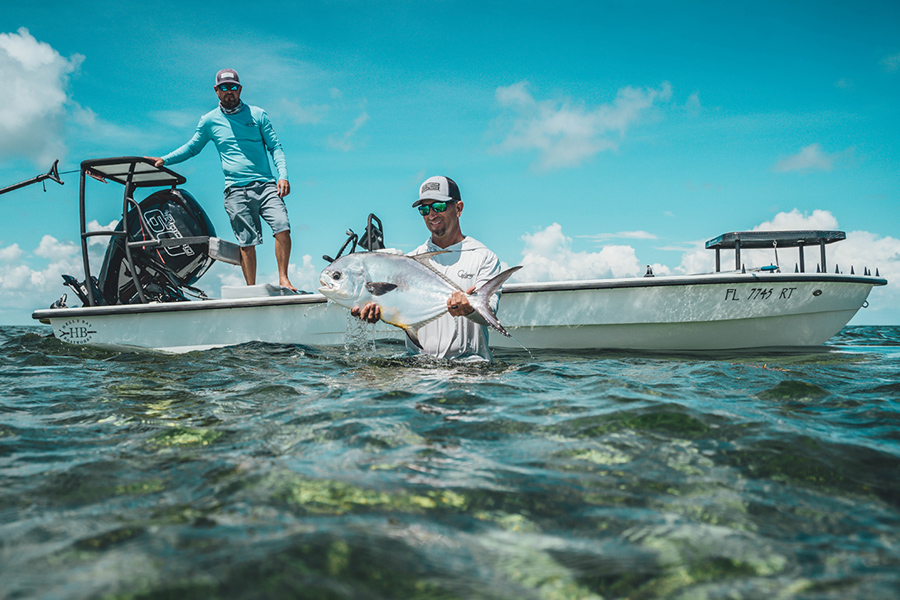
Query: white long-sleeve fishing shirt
point(467, 263)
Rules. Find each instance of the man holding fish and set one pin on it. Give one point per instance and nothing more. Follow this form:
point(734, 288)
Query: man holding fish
point(448, 263)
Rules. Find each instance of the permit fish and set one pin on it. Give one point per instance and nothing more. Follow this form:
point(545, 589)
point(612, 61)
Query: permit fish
point(409, 291)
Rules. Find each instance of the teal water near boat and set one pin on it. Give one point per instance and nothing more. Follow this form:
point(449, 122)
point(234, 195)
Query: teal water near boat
point(278, 471)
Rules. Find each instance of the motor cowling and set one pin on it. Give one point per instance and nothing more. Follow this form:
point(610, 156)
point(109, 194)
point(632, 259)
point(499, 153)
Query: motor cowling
point(161, 271)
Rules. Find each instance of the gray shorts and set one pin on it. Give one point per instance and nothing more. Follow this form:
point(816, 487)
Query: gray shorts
point(246, 204)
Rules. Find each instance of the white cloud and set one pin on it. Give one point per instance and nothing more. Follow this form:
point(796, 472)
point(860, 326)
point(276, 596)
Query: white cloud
point(548, 256)
point(819, 219)
point(863, 249)
point(21, 283)
point(33, 113)
point(566, 134)
point(100, 240)
point(14, 277)
point(10, 253)
point(304, 276)
point(810, 158)
point(698, 260)
point(53, 249)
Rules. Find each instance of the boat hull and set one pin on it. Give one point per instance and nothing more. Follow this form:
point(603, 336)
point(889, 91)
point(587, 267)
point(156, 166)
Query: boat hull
point(687, 313)
point(700, 312)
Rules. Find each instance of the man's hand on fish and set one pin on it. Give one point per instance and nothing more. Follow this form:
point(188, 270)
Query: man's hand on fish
point(406, 292)
point(370, 313)
point(458, 304)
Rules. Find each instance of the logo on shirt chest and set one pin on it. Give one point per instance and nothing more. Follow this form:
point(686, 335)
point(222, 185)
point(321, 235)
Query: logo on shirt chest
point(463, 275)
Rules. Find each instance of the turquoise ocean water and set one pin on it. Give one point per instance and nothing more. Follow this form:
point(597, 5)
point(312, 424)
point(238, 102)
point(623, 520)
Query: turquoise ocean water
point(268, 471)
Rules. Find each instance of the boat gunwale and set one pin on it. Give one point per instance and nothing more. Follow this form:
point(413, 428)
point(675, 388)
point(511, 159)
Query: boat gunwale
point(509, 288)
point(189, 305)
point(697, 279)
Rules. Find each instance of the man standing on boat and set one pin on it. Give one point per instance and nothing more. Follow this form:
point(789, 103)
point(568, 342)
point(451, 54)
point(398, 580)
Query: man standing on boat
point(245, 139)
point(467, 263)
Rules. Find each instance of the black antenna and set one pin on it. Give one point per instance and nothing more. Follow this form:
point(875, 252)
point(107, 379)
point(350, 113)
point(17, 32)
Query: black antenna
point(53, 174)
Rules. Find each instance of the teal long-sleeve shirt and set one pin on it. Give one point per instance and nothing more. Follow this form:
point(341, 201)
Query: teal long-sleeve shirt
point(244, 141)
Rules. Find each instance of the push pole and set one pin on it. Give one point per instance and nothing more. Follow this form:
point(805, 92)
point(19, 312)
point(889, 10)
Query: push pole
point(53, 174)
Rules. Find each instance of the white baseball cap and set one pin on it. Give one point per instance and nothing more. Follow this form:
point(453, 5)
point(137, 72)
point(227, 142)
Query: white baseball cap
point(439, 188)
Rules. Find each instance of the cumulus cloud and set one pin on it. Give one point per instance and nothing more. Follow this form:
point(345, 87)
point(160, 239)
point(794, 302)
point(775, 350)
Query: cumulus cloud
point(548, 256)
point(100, 240)
point(21, 283)
point(697, 259)
point(818, 219)
point(304, 275)
point(810, 158)
point(566, 134)
point(10, 253)
point(15, 277)
point(863, 249)
point(52, 248)
point(33, 114)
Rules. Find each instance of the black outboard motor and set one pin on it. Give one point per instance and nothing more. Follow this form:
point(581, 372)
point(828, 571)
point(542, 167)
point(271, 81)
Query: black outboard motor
point(163, 272)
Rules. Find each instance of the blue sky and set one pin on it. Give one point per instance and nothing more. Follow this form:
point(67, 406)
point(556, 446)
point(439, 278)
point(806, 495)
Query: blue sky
point(588, 139)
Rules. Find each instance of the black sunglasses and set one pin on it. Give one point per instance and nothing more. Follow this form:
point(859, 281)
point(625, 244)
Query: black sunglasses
point(438, 207)
point(228, 87)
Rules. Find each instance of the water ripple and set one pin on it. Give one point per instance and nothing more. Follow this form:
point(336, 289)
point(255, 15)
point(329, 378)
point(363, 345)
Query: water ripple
point(293, 471)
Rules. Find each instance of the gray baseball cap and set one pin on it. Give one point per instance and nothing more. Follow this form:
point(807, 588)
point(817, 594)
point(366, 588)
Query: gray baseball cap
point(227, 76)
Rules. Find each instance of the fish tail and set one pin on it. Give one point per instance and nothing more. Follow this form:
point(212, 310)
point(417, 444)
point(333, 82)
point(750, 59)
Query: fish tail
point(481, 299)
point(413, 335)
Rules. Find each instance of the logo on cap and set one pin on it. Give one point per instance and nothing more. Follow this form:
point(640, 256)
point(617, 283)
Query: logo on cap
point(430, 186)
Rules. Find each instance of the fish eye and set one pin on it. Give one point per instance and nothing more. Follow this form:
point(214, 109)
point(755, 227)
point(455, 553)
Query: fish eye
point(336, 275)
